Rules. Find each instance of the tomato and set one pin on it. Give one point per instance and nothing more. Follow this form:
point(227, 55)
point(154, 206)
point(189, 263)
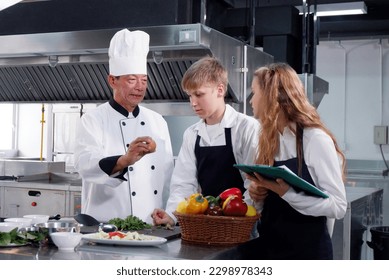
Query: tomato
point(116, 233)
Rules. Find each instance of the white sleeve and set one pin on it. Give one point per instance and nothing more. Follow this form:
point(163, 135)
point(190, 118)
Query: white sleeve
point(184, 179)
point(169, 162)
point(245, 148)
point(89, 151)
point(325, 169)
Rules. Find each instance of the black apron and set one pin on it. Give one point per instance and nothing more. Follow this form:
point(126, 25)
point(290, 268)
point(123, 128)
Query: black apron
point(287, 234)
point(215, 170)
point(284, 233)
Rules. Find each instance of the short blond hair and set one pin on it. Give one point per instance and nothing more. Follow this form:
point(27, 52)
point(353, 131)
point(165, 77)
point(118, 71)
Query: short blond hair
point(207, 70)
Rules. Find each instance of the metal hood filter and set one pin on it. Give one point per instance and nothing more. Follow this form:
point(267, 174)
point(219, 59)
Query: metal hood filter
point(73, 66)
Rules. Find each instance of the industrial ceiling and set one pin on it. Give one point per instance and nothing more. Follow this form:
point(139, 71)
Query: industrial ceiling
point(39, 16)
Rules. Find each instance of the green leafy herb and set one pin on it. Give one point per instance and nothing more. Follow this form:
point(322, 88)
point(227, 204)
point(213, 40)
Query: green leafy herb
point(129, 223)
point(20, 237)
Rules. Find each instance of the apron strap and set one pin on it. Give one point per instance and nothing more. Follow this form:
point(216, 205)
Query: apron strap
point(299, 148)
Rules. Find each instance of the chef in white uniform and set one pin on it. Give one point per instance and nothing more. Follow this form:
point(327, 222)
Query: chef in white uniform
point(122, 174)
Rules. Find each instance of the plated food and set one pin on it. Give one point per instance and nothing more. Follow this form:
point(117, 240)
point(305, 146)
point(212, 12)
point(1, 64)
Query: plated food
point(120, 235)
point(130, 238)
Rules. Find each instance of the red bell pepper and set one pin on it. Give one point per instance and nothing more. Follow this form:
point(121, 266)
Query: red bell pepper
point(234, 206)
point(228, 192)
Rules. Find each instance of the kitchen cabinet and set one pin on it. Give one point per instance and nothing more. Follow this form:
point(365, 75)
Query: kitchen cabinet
point(364, 210)
point(22, 198)
point(24, 201)
point(41, 187)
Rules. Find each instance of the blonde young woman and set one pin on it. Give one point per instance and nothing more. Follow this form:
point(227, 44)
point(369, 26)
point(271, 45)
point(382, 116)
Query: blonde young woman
point(294, 225)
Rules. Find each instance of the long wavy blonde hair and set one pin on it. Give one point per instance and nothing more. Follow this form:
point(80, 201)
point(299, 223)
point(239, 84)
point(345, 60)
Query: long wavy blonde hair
point(283, 91)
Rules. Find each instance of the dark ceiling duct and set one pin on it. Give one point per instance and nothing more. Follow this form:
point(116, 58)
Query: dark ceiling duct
point(73, 66)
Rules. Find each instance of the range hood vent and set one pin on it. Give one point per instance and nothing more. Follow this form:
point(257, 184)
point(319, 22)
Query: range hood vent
point(73, 66)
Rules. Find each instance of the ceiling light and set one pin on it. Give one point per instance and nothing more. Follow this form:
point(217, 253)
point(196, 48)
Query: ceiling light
point(337, 9)
point(4, 4)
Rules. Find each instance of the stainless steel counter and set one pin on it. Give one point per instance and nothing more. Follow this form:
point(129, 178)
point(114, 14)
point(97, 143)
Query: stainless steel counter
point(364, 209)
point(173, 249)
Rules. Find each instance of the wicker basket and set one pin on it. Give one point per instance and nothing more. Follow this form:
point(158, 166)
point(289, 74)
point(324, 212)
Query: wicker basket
point(215, 230)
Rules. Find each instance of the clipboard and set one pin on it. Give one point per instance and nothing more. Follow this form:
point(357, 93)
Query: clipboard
point(283, 172)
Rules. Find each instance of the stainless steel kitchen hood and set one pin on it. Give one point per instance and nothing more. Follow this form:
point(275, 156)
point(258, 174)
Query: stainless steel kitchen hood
point(73, 66)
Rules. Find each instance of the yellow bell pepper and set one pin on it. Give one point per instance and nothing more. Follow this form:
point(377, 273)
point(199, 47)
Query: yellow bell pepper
point(181, 207)
point(197, 204)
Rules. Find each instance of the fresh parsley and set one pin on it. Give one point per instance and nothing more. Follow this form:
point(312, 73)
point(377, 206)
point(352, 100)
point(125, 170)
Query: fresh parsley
point(129, 223)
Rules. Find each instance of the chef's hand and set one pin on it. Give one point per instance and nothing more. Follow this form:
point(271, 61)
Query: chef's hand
point(136, 150)
point(160, 217)
point(140, 147)
point(259, 186)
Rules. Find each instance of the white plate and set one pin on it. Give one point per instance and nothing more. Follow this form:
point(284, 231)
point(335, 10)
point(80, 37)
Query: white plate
point(93, 237)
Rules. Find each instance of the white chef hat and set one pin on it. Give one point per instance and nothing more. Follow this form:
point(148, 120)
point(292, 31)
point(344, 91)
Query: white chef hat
point(128, 53)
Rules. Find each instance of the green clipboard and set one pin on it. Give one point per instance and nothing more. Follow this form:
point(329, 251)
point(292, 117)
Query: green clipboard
point(271, 172)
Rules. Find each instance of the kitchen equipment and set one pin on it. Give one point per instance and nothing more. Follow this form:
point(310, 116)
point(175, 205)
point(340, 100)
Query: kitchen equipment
point(37, 219)
point(86, 220)
point(82, 63)
point(56, 217)
point(8, 226)
point(51, 227)
point(66, 119)
point(90, 224)
point(25, 222)
point(160, 231)
point(31, 169)
point(364, 210)
point(380, 242)
point(27, 198)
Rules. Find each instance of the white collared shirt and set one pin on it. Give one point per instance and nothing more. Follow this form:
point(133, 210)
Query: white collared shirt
point(324, 166)
point(244, 138)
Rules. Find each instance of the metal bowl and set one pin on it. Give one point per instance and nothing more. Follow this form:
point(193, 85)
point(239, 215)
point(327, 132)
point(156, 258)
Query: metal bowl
point(58, 226)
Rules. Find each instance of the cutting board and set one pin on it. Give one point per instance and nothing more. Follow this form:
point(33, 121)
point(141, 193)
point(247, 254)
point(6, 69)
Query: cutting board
point(169, 234)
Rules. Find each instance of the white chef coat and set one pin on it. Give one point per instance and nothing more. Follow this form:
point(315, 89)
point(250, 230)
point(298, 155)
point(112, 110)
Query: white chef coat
point(324, 166)
point(104, 132)
point(244, 138)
